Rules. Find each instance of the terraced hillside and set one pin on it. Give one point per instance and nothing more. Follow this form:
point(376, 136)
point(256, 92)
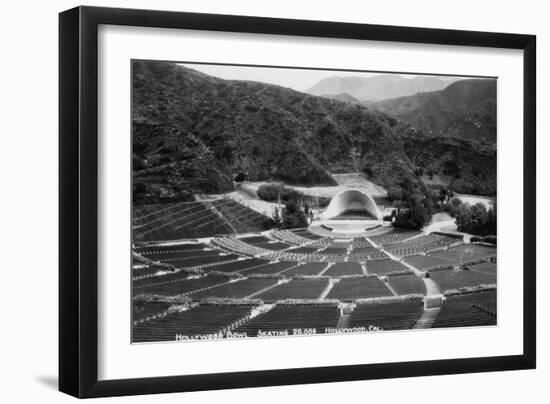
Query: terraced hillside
point(182, 220)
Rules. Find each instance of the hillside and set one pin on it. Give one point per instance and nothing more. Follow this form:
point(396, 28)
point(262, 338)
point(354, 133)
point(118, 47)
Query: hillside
point(465, 109)
point(463, 165)
point(194, 133)
point(379, 87)
point(342, 97)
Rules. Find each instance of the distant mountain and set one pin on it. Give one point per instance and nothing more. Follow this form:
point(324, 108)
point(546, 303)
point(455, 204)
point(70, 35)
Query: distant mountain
point(193, 133)
point(342, 97)
point(399, 107)
point(465, 109)
point(380, 87)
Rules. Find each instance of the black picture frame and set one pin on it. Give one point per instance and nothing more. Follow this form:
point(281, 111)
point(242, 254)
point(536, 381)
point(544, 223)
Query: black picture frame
point(78, 203)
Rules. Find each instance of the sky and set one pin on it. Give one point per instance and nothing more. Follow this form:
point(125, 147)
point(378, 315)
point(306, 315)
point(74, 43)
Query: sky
point(297, 79)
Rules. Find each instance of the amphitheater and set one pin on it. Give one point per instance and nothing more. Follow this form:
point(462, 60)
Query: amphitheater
point(210, 269)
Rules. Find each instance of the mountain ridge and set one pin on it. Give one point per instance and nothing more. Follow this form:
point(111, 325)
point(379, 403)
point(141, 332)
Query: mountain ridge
point(465, 109)
point(193, 133)
point(379, 87)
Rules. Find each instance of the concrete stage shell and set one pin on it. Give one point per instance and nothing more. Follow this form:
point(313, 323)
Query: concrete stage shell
point(351, 200)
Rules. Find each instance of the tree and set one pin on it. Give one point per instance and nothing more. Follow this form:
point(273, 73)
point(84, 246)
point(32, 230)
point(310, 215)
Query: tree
point(417, 214)
point(241, 177)
point(293, 216)
point(477, 219)
point(492, 218)
point(276, 217)
point(395, 193)
point(464, 218)
point(452, 206)
point(479, 215)
point(306, 208)
point(443, 195)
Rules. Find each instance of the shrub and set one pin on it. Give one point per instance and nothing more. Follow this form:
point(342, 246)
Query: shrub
point(276, 217)
point(293, 216)
point(395, 193)
point(418, 213)
point(476, 219)
point(240, 177)
point(452, 207)
point(490, 239)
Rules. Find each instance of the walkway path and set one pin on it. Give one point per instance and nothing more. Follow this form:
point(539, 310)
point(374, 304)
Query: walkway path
point(428, 318)
point(431, 287)
point(327, 290)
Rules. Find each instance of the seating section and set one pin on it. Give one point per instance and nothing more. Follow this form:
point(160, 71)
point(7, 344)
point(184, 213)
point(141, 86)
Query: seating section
point(160, 277)
point(360, 243)
point(426, 262)
point(284, 319)
point(305, 250)
point(344, 268)
point(289, 237)
point(195, 219)
point(215, 268)
point(306, 289)
point(306, 234)
point(467, 252)
point(238, 246)
point(140, 271)
point(335, 250)
point(339, 244)
point(174, 285)
point(165, 252)
point(236, 290)
point(309, 268)
point(177, 221)
point(385, 267)
point(143, 310)
point(205, 261)
point(237, 266)
point(197, 322)
point(421, 244)
point(393, 315)
point(394, 236)
point(271, 268)
point(255, 239)
point(489, 268)
point(274, 246)
point(367, 250)
point(242, 218)
point(454, 279)
point(471, 309)
point(321, 242)
point(407, 284)
point(291, 256)
point(367, 254)
point(349, 289)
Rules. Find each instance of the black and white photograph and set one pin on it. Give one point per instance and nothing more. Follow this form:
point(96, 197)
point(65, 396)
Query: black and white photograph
point(275, 202)
point(284, 202)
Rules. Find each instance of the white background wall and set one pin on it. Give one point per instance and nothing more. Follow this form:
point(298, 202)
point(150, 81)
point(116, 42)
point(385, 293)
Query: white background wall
point(28, 225)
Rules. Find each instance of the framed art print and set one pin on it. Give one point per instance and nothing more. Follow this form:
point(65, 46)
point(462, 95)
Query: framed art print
point(248, 201)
